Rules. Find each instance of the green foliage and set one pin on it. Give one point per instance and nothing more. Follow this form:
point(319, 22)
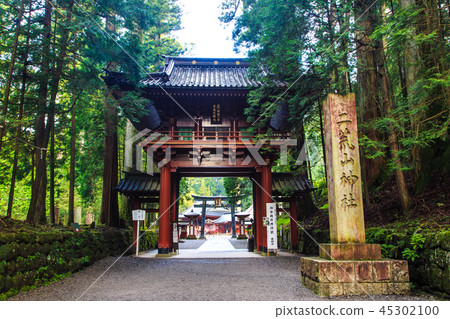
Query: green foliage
point(314, 146)
point(399, 240)
point(420, 118)
point(372, 148)
point(239, 186)
point(207, 186)
point(142, 35)
point(388, 250)
point(284, 220)
point(22, 194)
point(417, 241)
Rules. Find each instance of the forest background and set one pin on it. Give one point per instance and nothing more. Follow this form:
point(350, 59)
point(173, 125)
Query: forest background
point(58, 118)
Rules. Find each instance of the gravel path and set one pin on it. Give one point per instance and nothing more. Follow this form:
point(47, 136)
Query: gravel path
point(270, 278)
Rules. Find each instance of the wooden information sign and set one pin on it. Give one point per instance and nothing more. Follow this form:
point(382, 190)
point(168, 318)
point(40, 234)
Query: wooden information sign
point(138, 214)
point(271, 211)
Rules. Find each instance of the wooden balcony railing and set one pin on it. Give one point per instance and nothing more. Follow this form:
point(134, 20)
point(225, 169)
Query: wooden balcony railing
point(225, 136)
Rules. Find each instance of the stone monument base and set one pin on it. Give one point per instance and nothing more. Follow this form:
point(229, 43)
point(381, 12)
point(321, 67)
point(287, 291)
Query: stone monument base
point(350, 251)
point(355, 277)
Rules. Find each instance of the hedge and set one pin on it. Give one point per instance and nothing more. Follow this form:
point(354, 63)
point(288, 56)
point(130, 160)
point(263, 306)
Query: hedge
point(33, 259)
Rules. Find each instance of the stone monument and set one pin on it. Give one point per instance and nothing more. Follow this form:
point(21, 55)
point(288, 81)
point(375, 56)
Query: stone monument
point(77, 215)
point(348, 265)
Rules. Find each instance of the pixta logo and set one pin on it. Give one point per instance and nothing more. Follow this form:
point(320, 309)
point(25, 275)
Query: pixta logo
point(154, 141)
point(151, 141)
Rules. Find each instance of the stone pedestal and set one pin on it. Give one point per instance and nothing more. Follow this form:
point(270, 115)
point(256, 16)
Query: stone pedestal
point(355, 277)
point(350, 251)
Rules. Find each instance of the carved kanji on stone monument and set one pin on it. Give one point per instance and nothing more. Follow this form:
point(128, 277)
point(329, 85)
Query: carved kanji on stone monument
point(343, 168)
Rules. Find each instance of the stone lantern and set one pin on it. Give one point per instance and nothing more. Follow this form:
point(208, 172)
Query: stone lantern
point(242, 216)
point(192, 216)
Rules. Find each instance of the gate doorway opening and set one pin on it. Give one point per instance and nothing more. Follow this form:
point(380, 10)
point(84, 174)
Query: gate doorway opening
point(206, 210)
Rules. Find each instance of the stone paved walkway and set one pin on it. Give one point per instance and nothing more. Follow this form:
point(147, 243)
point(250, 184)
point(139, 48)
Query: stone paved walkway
point(217, 244)
point(212, 247)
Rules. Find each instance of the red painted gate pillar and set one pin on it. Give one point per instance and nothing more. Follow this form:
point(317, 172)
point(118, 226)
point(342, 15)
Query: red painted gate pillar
point(164, 242)
point(266, 183)
point(173, 209)
point(136, 205)
point(258, 212)
point(294, 228)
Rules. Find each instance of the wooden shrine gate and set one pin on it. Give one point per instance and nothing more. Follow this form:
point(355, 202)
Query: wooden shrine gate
point(195, 127)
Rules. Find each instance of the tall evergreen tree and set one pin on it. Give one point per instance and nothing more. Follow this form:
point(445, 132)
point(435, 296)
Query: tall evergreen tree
point(53, 62)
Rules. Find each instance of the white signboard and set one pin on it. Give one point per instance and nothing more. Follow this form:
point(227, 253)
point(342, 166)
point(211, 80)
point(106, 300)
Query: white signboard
point(138, 214)
point(271, 213)
point(175, 233)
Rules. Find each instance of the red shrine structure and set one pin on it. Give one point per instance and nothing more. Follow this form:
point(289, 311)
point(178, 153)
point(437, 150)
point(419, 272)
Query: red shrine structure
point(196, 111)
point(217, 216)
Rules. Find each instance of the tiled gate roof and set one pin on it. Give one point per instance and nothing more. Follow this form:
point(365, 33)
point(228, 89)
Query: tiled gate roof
point(136, 183)
point(181, 72)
